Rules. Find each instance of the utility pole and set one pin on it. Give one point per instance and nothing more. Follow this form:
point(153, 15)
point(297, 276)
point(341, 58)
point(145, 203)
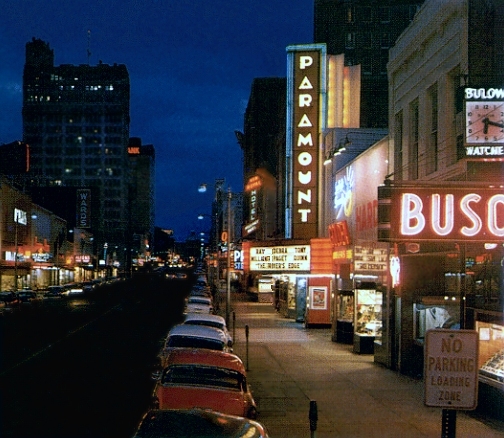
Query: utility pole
point(228, 272)
point(16, 230)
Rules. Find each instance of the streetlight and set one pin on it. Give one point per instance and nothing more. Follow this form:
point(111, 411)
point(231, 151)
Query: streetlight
point(228, 288)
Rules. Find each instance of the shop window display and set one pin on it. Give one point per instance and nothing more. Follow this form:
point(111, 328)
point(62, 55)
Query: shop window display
point(345, 316)
point(491, 352)
point(368, 315)
point(435, 312)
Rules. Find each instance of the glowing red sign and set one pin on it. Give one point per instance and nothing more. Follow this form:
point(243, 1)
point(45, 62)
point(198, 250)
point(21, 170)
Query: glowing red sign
point(454, 213)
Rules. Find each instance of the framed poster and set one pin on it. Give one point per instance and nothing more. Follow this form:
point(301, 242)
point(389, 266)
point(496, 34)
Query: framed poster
point(318, 297)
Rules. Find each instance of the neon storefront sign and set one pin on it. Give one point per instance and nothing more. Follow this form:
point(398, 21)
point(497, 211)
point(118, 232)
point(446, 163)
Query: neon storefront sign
point(460, 214)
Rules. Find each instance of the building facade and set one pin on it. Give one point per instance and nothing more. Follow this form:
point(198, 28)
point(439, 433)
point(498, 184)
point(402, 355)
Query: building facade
point(263, 146)
point(141, 193)
point(76, 121)
point(364, 31)
point(445, 202)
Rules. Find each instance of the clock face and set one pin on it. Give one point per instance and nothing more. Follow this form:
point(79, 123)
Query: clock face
point(484, 122)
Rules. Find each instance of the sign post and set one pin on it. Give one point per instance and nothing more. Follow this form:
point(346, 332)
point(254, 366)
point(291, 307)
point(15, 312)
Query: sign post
point(451, 373)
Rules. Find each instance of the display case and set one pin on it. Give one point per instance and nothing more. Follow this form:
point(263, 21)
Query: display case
point(367, 319)
point(345, 316)
point(491, 353)
point(435, 312)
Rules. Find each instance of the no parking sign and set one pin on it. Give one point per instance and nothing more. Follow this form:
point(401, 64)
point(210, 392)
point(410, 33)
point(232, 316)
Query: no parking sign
point(451, 369)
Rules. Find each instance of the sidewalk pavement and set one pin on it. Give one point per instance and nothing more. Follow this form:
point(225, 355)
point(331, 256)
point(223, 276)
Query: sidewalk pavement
point(289, 366)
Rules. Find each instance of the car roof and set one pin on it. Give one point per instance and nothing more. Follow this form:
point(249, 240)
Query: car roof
point(204, 317)
point(197, 422)
point(203, 356)
point(199, 299)
point(197, 331)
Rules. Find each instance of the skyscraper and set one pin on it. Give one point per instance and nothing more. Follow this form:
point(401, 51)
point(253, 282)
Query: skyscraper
point(76, 121)
point(364, 31)
point(141, 195)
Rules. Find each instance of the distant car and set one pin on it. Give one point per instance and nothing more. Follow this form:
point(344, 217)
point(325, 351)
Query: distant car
point(201, 281)
point(72, 289)
point(9, 298)
point(201, 292)
point(87, 287)
point(54, 292)
point(197, 423)
point(208, 320)
point(207, 379)
point(199, 305)
point(27, 296)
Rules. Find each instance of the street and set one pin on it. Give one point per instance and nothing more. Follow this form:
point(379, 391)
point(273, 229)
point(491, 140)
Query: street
point(81, 367)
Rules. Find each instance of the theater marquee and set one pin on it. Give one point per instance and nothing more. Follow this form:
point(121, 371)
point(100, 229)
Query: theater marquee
point(280, 258)
point(441, 213)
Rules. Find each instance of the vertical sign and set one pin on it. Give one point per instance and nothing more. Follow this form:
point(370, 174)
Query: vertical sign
point(83, 208)
point(305, 94)
point(451, 369)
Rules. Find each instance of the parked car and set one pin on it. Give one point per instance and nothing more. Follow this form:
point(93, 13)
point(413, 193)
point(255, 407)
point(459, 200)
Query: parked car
point(201, 292)
point(28, 296)
point(208, 320)
point(9, 299)
point(197, 423)
point(87, 287)
point(207, 379)
point(72, 289)
point(193, 336)
point(199, 305)
point(54, 292)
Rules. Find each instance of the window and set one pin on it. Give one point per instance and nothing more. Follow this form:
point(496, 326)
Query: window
point(413, 140)
point(398, 146)
point(384, 14)
point(432, 151)
point(366, 39)
point(385, 40)
point(350, 13)
point(350, 40)
point(365, 13)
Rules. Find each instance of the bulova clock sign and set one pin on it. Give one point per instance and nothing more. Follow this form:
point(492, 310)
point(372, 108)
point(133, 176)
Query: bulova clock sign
point(484, 120)
point(305, 139)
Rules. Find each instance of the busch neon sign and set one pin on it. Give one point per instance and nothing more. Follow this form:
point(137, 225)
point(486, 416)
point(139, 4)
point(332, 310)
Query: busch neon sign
point(460, 214)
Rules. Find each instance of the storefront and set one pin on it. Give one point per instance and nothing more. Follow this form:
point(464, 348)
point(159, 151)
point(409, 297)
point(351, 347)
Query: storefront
point(291, 276)
point(359, 261)
point(448, 240)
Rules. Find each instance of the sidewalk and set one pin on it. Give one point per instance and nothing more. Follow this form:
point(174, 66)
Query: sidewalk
point(288, 366)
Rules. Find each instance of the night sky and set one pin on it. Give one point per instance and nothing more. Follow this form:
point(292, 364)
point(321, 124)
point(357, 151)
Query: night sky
point(191, 66)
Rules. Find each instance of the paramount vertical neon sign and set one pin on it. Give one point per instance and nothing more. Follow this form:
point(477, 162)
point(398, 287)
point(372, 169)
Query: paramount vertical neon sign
point(305, 95)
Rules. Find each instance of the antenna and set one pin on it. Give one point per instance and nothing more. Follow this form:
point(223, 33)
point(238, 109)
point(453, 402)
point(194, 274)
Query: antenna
point(88, 46)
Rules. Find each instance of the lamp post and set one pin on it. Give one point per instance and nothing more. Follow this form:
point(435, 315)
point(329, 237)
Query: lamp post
point(105, 246)
point(228, 272)
point(16, 228)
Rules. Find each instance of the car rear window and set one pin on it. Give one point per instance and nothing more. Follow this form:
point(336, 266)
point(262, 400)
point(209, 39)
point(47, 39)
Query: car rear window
point(202, 376)
point(205, 323)
point(193, 342)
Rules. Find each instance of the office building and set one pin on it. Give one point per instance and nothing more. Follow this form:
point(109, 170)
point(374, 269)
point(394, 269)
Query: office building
point(364, 31)
point(76, 121)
